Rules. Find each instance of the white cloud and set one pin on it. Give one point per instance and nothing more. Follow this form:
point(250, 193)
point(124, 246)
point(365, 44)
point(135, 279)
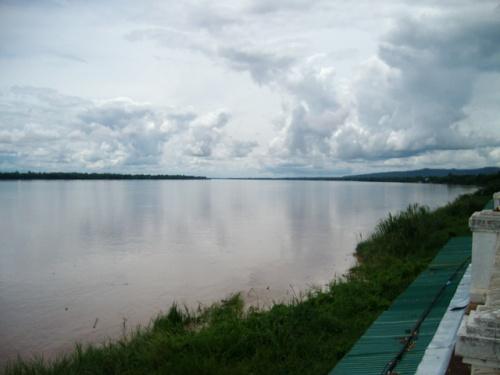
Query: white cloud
point(409, 100)
point(41, 128)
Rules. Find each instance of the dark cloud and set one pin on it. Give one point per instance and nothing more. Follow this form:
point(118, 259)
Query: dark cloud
point(264, 67)
point(205, 16)
point(263, 6)
point(240, 149)
point(416, 95)
point(453, 40)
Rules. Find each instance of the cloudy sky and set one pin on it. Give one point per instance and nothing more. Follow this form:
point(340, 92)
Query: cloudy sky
point(249, 88)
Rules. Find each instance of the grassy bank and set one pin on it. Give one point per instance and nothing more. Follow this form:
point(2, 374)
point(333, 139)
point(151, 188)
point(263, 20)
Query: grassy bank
point(307, 336)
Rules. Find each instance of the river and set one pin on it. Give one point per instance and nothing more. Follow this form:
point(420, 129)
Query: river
point(84, 260)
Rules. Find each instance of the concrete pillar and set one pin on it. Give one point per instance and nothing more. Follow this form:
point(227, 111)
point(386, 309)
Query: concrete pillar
point(485, 227)
point(479, 334)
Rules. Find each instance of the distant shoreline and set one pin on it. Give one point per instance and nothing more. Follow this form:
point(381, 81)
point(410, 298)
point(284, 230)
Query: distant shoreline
point(91, 176)
point(454, 177)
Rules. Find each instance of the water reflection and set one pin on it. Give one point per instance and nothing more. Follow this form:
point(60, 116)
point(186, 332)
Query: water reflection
point(74, 251)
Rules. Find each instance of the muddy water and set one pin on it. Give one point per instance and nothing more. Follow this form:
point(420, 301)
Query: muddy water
point(82, 260)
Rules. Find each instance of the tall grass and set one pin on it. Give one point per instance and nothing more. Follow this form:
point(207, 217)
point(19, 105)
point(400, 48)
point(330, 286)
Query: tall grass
point(306, 336)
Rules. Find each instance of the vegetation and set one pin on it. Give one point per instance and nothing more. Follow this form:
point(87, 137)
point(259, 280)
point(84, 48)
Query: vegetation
point(456, 179)
point(308, 335)
point(91, 176)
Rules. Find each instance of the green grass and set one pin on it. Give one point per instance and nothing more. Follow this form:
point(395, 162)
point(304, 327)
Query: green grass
point(306, 336)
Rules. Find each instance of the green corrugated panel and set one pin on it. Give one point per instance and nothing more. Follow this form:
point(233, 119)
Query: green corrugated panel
point(382, 341)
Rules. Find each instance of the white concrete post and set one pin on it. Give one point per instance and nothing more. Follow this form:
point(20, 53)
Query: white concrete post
point(485, 226)
point(479, 334)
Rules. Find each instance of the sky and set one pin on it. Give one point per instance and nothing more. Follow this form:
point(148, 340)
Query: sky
point(255, 88)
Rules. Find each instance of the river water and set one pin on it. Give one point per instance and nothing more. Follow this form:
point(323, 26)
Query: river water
point(84, 260)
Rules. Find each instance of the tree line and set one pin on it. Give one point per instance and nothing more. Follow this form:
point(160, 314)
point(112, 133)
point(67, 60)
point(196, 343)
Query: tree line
point(92, 176)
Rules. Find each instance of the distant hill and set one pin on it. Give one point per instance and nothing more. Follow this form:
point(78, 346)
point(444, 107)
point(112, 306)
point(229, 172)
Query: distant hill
point(426, 172)
point(441, 176)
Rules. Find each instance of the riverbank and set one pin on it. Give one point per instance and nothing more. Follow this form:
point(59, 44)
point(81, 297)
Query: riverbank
point(309, 335)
